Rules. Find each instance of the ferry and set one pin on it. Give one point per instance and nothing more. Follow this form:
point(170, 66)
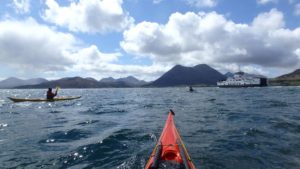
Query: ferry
point(242, 79)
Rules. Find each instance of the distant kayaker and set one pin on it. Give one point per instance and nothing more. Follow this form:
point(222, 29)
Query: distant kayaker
point(191, 89)
point(51, 95)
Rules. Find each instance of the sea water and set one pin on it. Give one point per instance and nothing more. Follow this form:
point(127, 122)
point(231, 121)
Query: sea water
point(118, 128)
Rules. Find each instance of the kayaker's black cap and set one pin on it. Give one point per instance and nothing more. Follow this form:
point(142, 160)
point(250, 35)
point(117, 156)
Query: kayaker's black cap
point(172, 112)
point(50, 89)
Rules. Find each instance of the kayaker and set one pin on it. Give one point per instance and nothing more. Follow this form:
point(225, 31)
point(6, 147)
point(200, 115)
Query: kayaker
point(51, 95)
point(191, 89)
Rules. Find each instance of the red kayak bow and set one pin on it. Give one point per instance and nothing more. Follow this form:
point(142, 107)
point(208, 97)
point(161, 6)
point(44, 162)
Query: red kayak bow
point(170, 150)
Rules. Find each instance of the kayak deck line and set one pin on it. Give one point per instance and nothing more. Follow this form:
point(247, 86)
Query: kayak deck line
point(184, 148)
point(42, 100)
point(170, 149)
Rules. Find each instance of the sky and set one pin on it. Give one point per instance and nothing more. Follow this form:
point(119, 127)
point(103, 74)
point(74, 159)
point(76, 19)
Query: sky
point(145, 38)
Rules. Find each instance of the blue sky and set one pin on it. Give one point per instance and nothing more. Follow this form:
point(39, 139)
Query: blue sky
point(145, 38)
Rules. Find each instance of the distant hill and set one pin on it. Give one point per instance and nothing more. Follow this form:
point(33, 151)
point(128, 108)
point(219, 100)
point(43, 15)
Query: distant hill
point(129, 81)
point(290, 79)
point(180, 75)
point(79, 82)
point(107, 80)
point(251, 75)
point(229, 74)
point(14, 82)
point(132, 81)
point(69, 82)
point(291, 76)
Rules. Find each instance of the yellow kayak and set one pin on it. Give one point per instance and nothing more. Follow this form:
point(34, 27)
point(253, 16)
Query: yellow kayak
point(42, 100)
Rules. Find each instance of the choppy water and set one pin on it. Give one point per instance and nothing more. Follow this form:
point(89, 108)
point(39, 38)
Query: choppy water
point(117, 128)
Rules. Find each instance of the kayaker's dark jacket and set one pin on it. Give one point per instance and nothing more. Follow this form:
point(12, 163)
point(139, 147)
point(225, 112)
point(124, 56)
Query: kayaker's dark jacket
point(51, 95)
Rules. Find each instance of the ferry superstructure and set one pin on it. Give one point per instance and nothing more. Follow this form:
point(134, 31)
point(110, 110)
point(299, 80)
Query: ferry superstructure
point(241, 79)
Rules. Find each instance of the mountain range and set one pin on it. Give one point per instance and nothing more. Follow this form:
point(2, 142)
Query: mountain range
point(202, 75)
point(177, 76)
point(79, 82)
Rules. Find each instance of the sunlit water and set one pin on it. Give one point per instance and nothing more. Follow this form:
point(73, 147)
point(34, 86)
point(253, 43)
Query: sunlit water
point(117, 128)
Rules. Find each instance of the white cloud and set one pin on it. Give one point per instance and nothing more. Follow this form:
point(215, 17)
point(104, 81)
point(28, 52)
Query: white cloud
point(28, 46)
point(194, 38)
point(92, 55)
point(21, 6)
point(297, 9)
point(263, 2)
point(157, 1)
point(32, 46)
point(297, 52)
point(291, 1)
point(92, 16)
point(202, 3)
point(272, 20)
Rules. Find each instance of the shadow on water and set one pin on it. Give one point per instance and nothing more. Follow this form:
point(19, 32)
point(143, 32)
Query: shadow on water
point(67, 136)
point(103, 110)
point(88, 122)
point(118, 149)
